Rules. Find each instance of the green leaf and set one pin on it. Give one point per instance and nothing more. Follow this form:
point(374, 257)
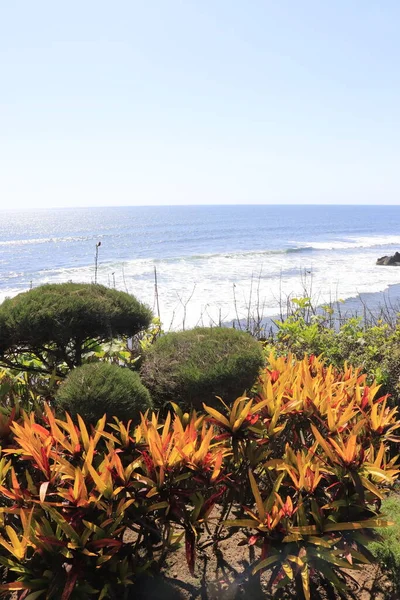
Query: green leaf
point(266, 562)
point(35, 595)
point(241, 523)
point(348, 526)
point(64, 525)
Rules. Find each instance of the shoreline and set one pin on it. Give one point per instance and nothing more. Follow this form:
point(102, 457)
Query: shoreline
point(369, 305)
point(374, 301)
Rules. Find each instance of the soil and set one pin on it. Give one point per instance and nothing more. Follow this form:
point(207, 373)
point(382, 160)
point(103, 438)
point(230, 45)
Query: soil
point(225, 574)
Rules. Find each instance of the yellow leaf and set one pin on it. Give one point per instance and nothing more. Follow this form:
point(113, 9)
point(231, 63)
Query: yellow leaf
point(287, 570)
point(322, 442)
point(257, 496)
point(217, 415)
point(305, 579)
point(100, 484)
point(43, 491)
point(243, 415)
point(84, 432)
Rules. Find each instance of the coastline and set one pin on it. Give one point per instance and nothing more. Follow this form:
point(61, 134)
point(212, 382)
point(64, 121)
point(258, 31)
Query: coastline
point(388, 299)
point(367, 305)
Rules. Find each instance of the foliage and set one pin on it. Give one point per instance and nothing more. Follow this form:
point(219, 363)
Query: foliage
point(300, 468)
point(126, 351)
point(328, 446)
point(84, 511)
point(191, 367)
point(22, 390)
point(58, 323)
point(387, 550)
point(373, 346)
point(98, 388)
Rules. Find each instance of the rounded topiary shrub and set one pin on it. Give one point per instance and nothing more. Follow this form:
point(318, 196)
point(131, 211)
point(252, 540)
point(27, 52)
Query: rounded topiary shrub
point(59, 320)
point(192, 367)
point(97, 388)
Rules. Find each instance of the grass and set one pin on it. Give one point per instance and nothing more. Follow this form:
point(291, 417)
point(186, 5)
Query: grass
point(387, 551)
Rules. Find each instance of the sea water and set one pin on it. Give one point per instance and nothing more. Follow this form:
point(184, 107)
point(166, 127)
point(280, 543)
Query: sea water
point(212, 262)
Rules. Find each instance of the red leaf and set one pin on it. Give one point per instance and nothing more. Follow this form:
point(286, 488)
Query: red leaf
point(274, 376)
point(264, 550)
point(365, 397)
point(52, 541)
point(211, 501)
point(104, 542)
point(252, 540)
point(190, 549)
point(70, 584)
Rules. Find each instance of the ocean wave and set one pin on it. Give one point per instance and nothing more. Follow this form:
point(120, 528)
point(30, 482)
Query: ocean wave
point(352, 243)
point(295, 247)
point(51, 240)
point(228, 255)
point(212, 282)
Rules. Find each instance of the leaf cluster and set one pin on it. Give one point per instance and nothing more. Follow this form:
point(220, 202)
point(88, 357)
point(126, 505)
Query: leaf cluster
point(372, 346)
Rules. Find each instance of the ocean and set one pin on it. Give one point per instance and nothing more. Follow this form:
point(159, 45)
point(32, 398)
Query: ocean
point(212, 262)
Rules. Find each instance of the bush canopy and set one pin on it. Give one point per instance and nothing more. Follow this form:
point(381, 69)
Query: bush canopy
point(195, 366)
point(58, 323)
point(98, 388)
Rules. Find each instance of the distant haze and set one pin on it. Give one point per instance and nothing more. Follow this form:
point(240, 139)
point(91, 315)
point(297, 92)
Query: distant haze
point(200, 102)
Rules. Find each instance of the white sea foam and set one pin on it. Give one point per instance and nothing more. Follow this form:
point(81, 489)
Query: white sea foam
point(194, 284)
point(351, 243)
point(203, 290)
point(49, 240)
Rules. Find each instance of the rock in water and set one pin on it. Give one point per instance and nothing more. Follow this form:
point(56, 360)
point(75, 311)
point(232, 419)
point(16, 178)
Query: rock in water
point(393, 261)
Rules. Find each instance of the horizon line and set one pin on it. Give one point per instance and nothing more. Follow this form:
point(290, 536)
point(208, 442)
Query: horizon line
point(79, 207)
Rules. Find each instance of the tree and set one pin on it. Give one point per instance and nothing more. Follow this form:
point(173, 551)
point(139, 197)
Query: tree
point(57, 324)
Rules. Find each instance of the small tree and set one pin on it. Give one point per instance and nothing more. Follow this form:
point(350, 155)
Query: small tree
point(59, 323)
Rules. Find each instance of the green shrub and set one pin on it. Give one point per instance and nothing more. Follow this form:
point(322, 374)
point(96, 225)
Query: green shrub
point(58, 323)
point(192, 367)
point(97, 388)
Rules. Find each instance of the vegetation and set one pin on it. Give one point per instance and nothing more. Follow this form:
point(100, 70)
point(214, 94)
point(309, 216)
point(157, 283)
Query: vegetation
point(192, 367)
point(372, 344)
point(57, 324)
point(300, 469)
point(387, 550)
point(95, 389)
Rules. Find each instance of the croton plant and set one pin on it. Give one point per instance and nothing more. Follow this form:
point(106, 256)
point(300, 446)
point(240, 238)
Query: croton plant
point(299, 467)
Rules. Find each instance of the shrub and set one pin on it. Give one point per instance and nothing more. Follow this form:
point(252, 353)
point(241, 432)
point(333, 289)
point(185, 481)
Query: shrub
point(98, 388)
point(89, 509)
point(373, 346)
point(299, 470)
point(58, 323)
point(191, 367)
point(323, 438)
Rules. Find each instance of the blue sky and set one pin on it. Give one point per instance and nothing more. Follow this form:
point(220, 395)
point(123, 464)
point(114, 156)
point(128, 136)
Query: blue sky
point(196, 102)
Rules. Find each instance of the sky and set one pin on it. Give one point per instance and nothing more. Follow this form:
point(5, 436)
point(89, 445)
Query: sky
point(199, 102)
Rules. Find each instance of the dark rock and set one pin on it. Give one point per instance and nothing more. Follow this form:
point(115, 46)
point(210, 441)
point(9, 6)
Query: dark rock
point(393, 261)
